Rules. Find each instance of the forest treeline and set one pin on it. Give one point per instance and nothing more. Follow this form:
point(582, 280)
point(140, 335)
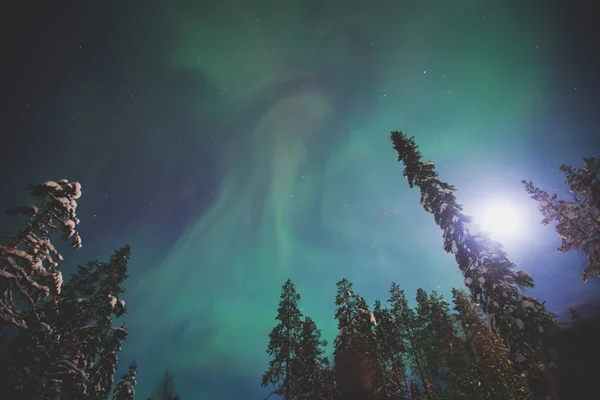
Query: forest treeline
point(61, 339)
point(510, 348)
point(392, 351)
point(434, 350)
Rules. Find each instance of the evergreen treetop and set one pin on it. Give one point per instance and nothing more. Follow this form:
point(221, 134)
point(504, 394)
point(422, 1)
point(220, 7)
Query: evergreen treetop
point(491, 278)
point(125, 388)
point(578, 220)
point(29, 261)
point(283, 343)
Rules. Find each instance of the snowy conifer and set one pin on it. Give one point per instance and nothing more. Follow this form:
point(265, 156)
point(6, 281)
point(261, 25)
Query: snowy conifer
point(408, 328)
point(28, 261)
point(283, 343)
point(578, 220)
point(74, 351)
point(521, 320)
point(90, 302)
point(391, 351)
point(488, 369)
point(102, 369)
point(310, 363)
point(166, 388)
point(125, 388)
point(355, 353)
point(437, 338)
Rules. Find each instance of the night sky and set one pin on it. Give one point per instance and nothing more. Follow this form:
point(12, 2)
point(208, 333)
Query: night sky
point(238, 143)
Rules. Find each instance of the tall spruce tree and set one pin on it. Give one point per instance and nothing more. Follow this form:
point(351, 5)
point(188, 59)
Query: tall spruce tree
point(283, 344)
point(488, 369)
point(33, 367)
point(578, 220)
point(90, 302)
point(391, 349)
point(28, 261)
point(310, 364)
point(125, 388)
point(74, 355)
point(355, 348)
point(521, 320)
point(437, 338)
point(165, 390)
point(29, 280)
point(409, 327)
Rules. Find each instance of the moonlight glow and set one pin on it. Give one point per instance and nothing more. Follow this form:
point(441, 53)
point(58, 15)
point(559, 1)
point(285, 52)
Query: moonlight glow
point(501, 220)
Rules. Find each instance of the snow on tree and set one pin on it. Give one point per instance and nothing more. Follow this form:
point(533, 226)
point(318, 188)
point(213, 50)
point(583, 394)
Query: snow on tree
point(74, 350)
point(491, 278)
point(408, 327)
point(28, 261)
point(283, 343)
point(125, 388)
point(488, 371)
point(310, 364)
point(391, 350)
point(88, 311)
point(578, 221)
point(355, 354)
point(102, 370)
point(437, 338)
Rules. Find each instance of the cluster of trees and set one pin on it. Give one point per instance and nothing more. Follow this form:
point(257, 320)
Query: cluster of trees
point(578, 219)
point(522, 321)
point(519, 340)
point(434, 351)
point(165, 389)
point(59, 340)
point(392, 351)
point(530, 332)
point(299, 367)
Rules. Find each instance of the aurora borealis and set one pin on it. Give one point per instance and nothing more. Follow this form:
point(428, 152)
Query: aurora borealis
point(236, 144)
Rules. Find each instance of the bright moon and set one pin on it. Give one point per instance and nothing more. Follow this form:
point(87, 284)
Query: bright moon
point(502, 220)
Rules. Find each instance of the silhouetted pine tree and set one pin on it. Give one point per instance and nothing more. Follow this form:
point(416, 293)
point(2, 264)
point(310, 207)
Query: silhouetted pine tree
point(310, 364)
point(578, 220)
point(28, 276)
point(522, 321)
point(34, 367)
point(437, 338)
point(327, 376)
point(90, 301)
point(28, 261)
point(166, 388)
point(355, 353)
point(125, 388)
point(408, 326)
point(73, 355)
point(489, 373)
point(390, 349)
point(283, 343)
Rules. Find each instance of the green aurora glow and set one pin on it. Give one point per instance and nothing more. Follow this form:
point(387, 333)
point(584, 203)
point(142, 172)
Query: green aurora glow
point(307, 197)
point(238, 145)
